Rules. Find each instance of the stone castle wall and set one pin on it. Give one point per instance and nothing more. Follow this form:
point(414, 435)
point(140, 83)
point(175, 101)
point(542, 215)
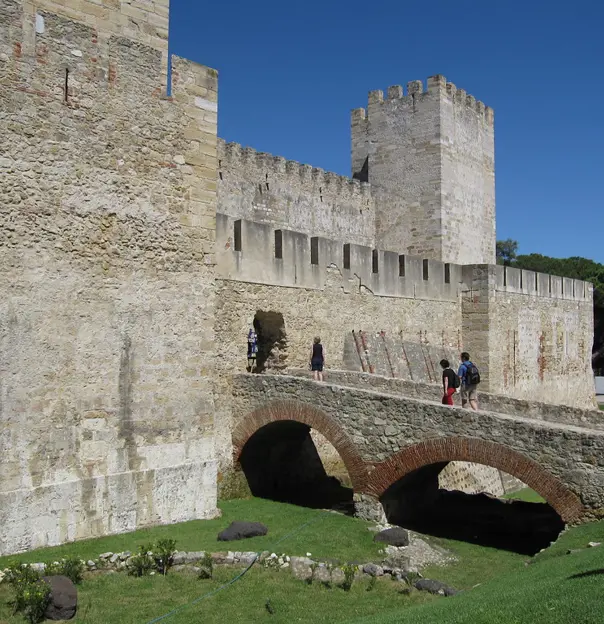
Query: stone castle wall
point(531, 333)
point(543, 328)
point(285, 194)
point(107, 251)
point(126, 300)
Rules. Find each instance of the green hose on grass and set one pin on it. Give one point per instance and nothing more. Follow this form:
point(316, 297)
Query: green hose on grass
point(241, 574)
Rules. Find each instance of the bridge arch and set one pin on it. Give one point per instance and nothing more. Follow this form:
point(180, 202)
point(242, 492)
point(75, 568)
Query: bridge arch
point(436, 450)
point(296, 411)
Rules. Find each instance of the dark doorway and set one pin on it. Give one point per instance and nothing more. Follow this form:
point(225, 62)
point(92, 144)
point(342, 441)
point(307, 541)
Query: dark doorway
point(280, 462)
point(416, 502)
point(272, 341)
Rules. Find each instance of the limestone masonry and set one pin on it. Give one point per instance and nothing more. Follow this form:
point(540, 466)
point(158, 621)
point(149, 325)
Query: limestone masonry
point(137, 249)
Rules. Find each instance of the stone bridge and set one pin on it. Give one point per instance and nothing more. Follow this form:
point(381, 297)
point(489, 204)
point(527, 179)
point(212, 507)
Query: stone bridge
point(384, 438)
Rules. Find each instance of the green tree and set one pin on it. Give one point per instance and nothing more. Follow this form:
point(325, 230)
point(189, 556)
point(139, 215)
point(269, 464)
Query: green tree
point(506, 251)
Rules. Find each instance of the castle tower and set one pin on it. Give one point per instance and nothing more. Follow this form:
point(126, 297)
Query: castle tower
point(432, 153)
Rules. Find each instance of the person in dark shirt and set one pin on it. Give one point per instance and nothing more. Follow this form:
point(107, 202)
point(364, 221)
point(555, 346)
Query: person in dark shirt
point(468, 390)
point(448, 382)
point(317, 359)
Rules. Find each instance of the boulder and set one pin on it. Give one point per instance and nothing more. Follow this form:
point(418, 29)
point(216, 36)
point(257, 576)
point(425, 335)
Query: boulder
point(322, 574)
point(63, 598)
point(242, 530)
point(435, 587)
point(373, 570)
point(337, 576)
point(396, 536)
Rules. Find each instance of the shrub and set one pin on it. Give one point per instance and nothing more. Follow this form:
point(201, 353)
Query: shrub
point(20, 577)
point(163, 554)
point(372, 582)
point(32, 595)
point(206, 566)
point(313, 566)
point(36, 597)
point(349, 571)
point(411, 577)
point(142, 562)
point(71, 567)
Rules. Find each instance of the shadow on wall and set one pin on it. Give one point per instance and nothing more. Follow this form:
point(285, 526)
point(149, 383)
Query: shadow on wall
point(416, 502)
point(281, 463)
point(272, 341)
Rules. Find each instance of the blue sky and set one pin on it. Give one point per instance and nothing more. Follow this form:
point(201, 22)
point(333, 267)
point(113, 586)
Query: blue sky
point(290, 72)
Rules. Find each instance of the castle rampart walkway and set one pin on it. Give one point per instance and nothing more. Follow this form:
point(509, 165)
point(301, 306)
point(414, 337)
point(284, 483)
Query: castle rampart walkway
point(381, 437)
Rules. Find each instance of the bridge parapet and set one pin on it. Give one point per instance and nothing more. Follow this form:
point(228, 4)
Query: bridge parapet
point(536, 410)
point(390, 434)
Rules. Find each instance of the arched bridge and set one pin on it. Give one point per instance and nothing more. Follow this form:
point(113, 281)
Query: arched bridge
point(382, 438)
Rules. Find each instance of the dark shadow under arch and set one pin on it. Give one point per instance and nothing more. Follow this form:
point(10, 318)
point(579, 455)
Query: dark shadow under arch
point(273, 447)
point(442, 450)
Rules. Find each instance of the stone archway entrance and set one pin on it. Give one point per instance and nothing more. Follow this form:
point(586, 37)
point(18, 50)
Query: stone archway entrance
point(407, 485)
point(274, 449)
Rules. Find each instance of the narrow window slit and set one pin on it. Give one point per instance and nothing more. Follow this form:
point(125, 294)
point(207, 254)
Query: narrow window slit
point(279, 244)
point(314, 250)
point(347, 256)
point(237, 235)
point(401, 266)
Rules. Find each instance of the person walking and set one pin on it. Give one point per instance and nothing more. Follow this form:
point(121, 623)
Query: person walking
point(252, 350)
point(450, 382)
point(470, 378)
point(317, 359)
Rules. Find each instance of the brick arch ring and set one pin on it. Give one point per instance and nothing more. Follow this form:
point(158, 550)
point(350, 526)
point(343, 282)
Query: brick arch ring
point(566, 503)
point(316, 419)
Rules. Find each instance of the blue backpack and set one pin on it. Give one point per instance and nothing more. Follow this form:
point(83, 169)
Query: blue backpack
point(472, 374)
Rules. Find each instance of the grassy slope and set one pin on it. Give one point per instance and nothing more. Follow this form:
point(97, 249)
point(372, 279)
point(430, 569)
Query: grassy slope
point(510, 592)
point(331, 536)
point(527, 495)
point(549, 591)
point(119, 599)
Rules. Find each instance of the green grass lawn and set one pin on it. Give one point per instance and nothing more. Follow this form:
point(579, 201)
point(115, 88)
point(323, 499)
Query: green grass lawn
point(557, 588)
point(526, 494)
point(119, 599)
point(330, 536)
point(508, 590)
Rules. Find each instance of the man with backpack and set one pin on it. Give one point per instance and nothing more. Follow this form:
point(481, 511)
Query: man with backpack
point(450, 382)
point(470, 378)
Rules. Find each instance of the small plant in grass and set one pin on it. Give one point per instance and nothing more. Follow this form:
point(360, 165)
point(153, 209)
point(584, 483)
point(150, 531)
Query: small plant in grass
point(372, 582)
point(36, 597)
point(32, 594)
point(411, 577)
point(349, 572)
point(206, 566)
point(71, 567)
point(163, 554)
point(313, 568)
point(142, 562)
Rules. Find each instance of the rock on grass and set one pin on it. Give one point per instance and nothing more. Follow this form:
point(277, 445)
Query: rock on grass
point(242, 530)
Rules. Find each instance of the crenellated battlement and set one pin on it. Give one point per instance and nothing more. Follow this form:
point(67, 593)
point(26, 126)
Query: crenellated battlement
point(259, 253)
point(414, 92)
point(264, 166)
